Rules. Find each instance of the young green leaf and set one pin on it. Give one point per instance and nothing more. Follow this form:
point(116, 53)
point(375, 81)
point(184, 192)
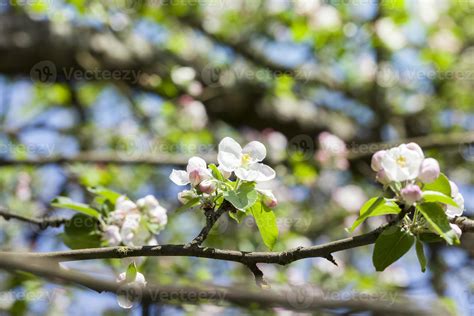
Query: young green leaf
point(392, 244)
point(65, 202)
point(108, 194)
point(216, 173)
point(242, 198)
point(439, 185)
point(438, 220)
point(376, 206)
point(266, 223)
point(131, 273)
point(435, 196)
point(191, 203)
point(420, 253)
point(81, 232)
point(237, 216)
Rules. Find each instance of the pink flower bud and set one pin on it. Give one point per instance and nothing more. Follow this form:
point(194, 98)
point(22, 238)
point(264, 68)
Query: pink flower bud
point(207, 186)
point(268, 198)
point(411, 194)
point(376, 163)
point(195, 177)
point(382, 177)
point(429, 170)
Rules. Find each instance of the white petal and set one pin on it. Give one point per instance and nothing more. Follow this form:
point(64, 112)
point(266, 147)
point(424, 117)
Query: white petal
point(264, 172)
point(195, 163)
point(229, 155)
point(180, 177)
point(246, 174)
point(256, 150)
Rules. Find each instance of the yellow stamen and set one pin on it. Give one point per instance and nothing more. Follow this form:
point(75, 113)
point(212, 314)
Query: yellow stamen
point(245, 159)
point(401, 161)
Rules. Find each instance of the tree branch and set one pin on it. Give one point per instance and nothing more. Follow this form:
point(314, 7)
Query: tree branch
point(211, 218)
point(246, 258)
point(43, 223)
point(286, 298)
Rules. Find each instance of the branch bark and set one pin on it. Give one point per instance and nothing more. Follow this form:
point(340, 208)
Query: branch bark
point(246, 258)
point(286, 298)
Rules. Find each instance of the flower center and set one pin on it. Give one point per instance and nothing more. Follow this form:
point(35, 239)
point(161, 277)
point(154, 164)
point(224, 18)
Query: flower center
point(401, 161)
point(246, 159)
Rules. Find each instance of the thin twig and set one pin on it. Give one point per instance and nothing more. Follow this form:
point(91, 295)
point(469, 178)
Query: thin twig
point(42, 223)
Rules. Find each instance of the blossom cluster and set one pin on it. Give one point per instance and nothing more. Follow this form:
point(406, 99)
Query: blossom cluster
point(406, 171)
point(134, 224)
point(245, 163)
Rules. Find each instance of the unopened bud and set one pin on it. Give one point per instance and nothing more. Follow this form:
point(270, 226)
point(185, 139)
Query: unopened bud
point(429, 170)
point(411, 194)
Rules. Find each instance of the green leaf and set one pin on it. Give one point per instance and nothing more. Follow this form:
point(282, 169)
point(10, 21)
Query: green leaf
point(435, 196)
point(376, 206)
point(242, 198)
point(237, 216)
point(429, 237)
point(266, 223)
point(438, 220)
point(81, 232)
point(131, 273)
point(81, 225)
point(439, 185)
point(110, 195)
point(420, 253)
point(65, 202)
point(216, 173)
point(191, 203)
point(392, 244)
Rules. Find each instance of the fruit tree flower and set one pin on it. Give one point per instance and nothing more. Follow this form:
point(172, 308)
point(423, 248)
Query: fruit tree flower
point(269, 198)
point(429, 171)
point(246, 162)
point(453, 211)
point(411, 194)
point(138, 282)
point(403, 162)
point(186, 196)
point(196, 172)
point(153, 210)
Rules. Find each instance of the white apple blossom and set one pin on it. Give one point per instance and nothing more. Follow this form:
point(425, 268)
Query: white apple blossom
point(153, 210)
point(196, 171)
point(112, 235)
point(129, 228)
point(403, 162)
point(246, 162)
point(139, 282)
point(453, 211)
